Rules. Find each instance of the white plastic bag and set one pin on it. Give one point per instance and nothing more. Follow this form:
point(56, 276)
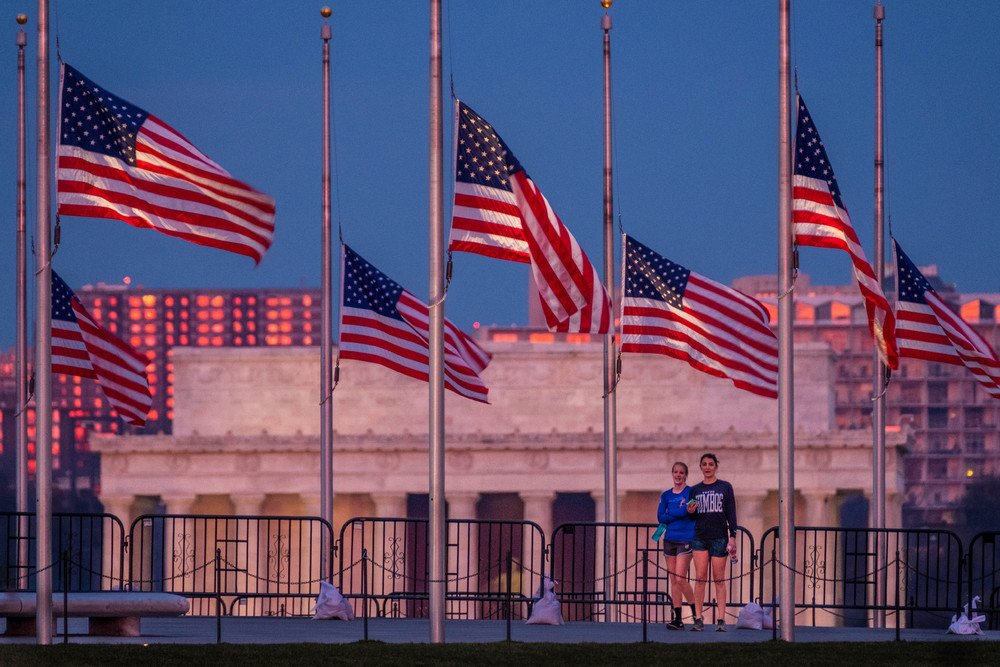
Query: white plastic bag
point(754, 617)
point(966, 623)
point(546, 609)
point(331, 604)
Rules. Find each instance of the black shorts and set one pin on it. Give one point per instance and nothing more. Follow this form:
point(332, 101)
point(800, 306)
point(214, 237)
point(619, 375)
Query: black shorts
point(675, 548)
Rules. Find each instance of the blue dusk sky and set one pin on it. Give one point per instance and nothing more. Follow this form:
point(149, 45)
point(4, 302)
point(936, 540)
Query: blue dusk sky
point(695, 106)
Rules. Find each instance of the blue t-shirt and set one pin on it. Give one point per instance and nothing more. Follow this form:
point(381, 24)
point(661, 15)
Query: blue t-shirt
point(673, 513)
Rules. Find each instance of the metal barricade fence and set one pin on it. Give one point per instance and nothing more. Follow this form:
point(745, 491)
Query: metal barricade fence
point(250, 565)
point(87, 551)
point(984, 576)
point(846, 576)
point(592, 588)
point(477, 580)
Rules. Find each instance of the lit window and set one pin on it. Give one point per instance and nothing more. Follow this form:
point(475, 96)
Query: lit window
point(202, 300)
point(307, 340)
point(237, 313)
point(505, 337)
point(271, 328)
point(135, 328)
point(307, 300)
point(217, 314)
point(217, 301)
point(169, 301)
point(170, 402)
point(237, 340)
point(251, 300)
point(307, 315)
point(202, 315)
point(135, 314)
point(251, 340)
point(307, 327)
point(271, 340)
point(136, 341)
point(184, 301)
point(148, 300)
point(150, 341)
point(202, 328)
point(96, 312)
point(286, 313)
point(152, 378)
point(202, 340)
point(150, 328)
point(286, 327)
point(578, 338)
point(170, 339)
point(237, 327)
point(134, 301)
point(149, 314)
point(153, 415)
point(542, 338)
point(184, 315)
point(97, 302)
point(271, 315)
point(251, 326)
point(217, 341)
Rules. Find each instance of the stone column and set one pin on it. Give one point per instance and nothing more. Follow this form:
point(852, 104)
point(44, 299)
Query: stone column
point(750, 514)
point(387, 570)
point(113, 567)
point(183, 550)
point(818, 504)
point(819, 564)
point(243, 553)
point(463, 553)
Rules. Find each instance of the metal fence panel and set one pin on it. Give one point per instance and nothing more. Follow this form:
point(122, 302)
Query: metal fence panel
point(984, 576)
point(87, 551)
point(250, 565)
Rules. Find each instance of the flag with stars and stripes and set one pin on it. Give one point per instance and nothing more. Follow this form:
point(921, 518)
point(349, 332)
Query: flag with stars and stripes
point(500, 212)
point(820, 219)
point(670, 310)
point(382, 323)
point(926, 328)
point(115, 160)
point(81, 347)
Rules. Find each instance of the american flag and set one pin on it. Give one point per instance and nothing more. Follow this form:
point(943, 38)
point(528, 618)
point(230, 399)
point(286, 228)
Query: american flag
point(115, 160)
point(820, 219)
point(926, 328)
point(382, 323)
point(82, 348)
point(671, 310)
point(500, 212)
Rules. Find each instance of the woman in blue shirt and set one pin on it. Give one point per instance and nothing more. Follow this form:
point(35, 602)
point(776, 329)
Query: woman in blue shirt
point(677, 539)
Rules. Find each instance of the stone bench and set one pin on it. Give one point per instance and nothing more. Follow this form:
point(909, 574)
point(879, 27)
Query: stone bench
point(110, 613)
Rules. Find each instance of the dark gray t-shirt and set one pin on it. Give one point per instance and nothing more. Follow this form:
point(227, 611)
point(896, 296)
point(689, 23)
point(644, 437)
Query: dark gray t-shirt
point(716, 515)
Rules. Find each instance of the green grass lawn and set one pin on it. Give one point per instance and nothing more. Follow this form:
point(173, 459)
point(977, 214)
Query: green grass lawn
point(971, 652)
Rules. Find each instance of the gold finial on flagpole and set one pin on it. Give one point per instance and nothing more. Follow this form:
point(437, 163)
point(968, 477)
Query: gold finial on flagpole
point(22, 19)
point(326, 12)
point(607, 3)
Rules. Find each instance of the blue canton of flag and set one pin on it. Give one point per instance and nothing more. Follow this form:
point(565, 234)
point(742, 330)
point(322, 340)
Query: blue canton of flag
point(382, 323)
point(95, 120)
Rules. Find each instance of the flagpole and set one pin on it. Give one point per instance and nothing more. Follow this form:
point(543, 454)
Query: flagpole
point(43, 343)
point(21, 345)
point(438, 555)
point(786, 313)
point(610, 397)
point(879, 381)
point(326, 283)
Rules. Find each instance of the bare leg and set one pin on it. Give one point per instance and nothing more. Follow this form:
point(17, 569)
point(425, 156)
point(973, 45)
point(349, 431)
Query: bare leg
point(700, 581)
point(683, 582)
point(719, 576)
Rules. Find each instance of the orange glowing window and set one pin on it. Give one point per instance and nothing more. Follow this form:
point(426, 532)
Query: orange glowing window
point(286, 340)
point(307, 327)
point(184, 315)
point(271, 315)
point(113, 315)
point(251, 326)
point(772, 311)
point(184, 340)
point(135, 341)
point(170, 414)
point(98, 403)
point(218, 328)
point(216, 341)
point(251, 314)
point(307, 300)
point(149, 314)
point(135, 314)
point(271, 328)
point(271, 301)
point(185, 301)
point(202, 340)
point(169, 301)
point(170, 315)
point(149, 300)
point(251, 300)
point(505, 337)
point(152, 378)
point(170, 391)
point(217, 314)
point(578, 338)
point(150, 328)
point(804, 313)
point(237, 313)
point(237, 340)
point(77, 390)
point(839, 311)
point(202, 315)
point(971, 311)
point(96, 312)
point(202, 328)
point(170, 339)
point(542, 338)
point(286, 313)
point(286, 301)
point(170, 402)
point(77, 402)
point(202, 300)
point(113, 301)
point(153, 415)
point(170, 373)
point(307, 315)
point(150, 341)
point(97, 302)
point(169, 326)
point(135, 328)
point(251, 340)
point(237, 327)
point(237, 300)
point(185, 326)
point(217, 301)
point(134, 301)
point(286, 327)
point(307, 340)
point(271, 339)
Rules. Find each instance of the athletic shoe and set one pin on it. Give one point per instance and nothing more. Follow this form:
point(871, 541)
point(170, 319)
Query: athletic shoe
point(675, 624)
point(699, 625)
point(720, 626)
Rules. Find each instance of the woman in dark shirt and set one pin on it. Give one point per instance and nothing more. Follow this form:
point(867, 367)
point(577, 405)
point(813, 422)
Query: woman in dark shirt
point(713, 504)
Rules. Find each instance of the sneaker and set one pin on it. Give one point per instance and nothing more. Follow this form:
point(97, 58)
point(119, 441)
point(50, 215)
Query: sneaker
point(720, 626)
point(699, 625)
point(675, 624)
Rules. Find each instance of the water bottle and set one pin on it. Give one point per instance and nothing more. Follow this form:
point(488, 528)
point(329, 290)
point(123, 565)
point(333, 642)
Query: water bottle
point(733, 558)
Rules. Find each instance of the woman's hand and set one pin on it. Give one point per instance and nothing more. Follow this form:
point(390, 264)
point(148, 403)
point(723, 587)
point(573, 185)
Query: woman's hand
point(692, 507)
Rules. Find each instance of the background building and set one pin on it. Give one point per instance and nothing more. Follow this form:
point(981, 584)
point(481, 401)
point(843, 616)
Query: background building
point(954, 425)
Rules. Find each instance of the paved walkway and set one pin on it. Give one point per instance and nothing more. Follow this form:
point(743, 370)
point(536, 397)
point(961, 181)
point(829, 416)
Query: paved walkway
point(302, 630)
